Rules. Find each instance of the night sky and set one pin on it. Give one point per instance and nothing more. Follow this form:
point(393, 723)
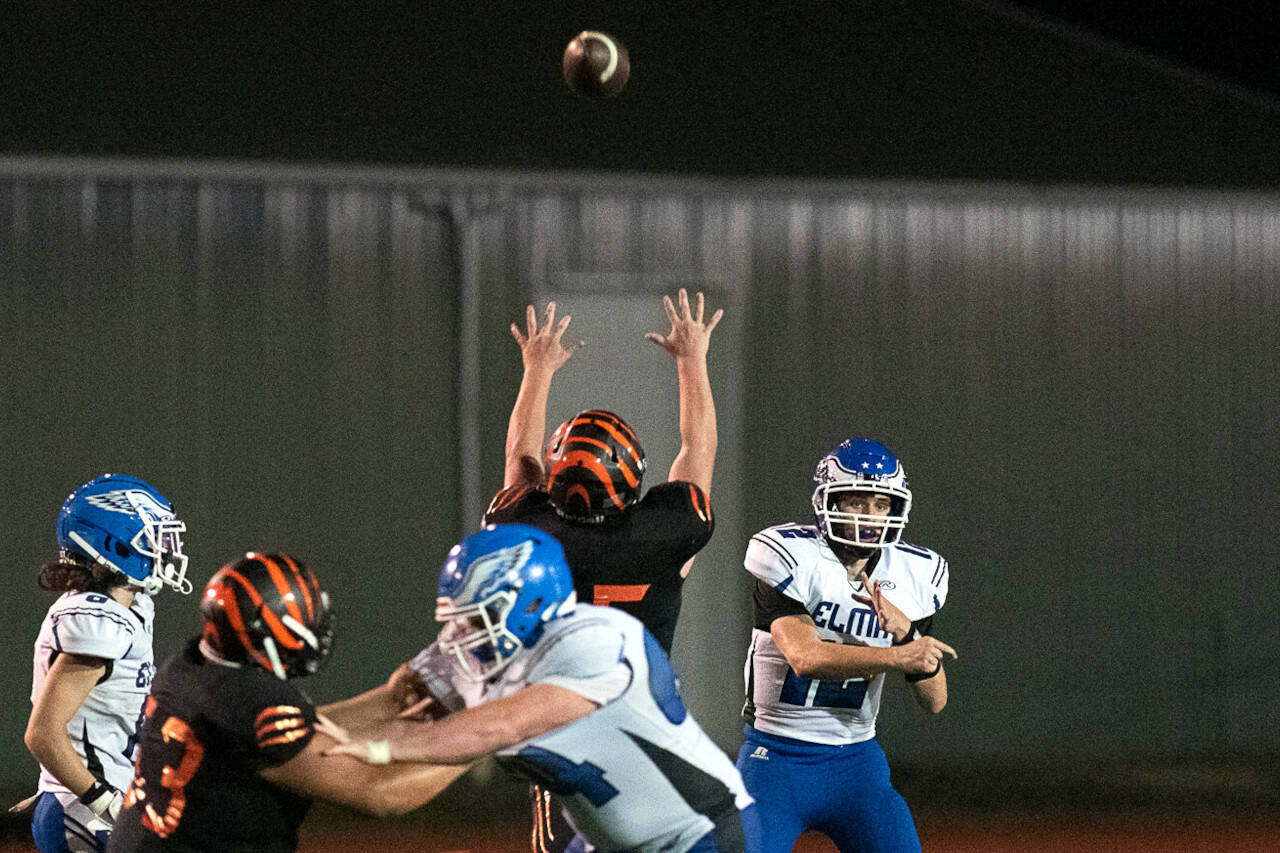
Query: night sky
point(880, 89)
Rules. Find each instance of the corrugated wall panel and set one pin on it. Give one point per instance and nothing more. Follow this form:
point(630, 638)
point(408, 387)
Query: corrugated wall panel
point(1083, 386)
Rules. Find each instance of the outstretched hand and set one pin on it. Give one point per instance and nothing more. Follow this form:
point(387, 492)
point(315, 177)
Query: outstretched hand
point(541, 346)
point(689, 336)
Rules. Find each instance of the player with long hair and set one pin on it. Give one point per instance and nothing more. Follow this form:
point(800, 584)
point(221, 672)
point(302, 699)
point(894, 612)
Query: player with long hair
point(119, 543)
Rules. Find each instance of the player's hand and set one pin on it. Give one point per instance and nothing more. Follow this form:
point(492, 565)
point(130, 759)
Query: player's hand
point(406, 686)
point(104, 801)
point(689, 336)
point(368, 751)
point(425, 709)
point(922, 656)
point(540, 346)
point(893, 620)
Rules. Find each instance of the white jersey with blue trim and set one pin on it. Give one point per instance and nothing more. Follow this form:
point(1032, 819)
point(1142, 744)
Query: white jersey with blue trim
point(638, 774)
point(796, 562)
point(104, 729)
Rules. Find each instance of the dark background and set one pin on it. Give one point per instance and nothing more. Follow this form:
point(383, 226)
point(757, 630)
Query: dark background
point(1045, 91)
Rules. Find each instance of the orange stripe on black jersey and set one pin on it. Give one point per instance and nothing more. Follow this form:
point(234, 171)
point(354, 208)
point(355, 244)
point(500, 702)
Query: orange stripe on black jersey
point(701, 504)
point(603, 595)
point(506, 498)
point(280, 724)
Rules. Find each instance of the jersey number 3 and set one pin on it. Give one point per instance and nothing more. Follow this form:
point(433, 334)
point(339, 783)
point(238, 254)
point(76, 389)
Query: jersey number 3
point(174, 778)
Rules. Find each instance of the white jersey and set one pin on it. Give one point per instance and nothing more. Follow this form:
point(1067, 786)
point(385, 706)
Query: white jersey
point(796, 562)
point(639, 774)
point(104, 729)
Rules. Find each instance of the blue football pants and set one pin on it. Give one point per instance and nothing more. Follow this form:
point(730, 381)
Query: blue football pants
point(841, 791)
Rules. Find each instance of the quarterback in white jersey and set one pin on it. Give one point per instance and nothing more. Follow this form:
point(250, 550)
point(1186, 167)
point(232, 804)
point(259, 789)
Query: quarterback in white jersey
point(119, 542)
point(796, 562)
point(837, 605)
point(580, 699)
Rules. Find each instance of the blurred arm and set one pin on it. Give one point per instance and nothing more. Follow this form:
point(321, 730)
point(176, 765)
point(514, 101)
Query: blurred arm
point(403, 689)
point(374, 790)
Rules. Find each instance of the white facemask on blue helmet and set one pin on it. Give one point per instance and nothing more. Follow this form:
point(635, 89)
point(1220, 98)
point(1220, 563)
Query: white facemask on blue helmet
point(497, 589)
point(867, 467)
point(123, 523)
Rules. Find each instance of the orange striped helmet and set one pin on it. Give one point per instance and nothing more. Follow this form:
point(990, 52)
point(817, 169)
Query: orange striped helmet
point(595, 464)
point(267, 610)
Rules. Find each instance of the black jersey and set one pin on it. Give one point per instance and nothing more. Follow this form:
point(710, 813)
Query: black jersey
point(632, 561)
point(209, 729)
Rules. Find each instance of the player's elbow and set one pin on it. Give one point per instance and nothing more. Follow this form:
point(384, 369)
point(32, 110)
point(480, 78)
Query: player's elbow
point(806, 664)
point(39, 741)
point(932, 702)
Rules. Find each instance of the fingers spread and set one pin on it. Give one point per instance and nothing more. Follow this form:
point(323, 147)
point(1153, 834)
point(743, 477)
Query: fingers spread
point(561, 326)
point(715, 318)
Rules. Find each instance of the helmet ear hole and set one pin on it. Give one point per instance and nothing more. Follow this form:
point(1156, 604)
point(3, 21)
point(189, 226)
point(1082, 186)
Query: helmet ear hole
point(121, 549)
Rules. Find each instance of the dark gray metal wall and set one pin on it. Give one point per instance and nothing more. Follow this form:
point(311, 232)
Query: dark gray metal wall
point(1083, 385)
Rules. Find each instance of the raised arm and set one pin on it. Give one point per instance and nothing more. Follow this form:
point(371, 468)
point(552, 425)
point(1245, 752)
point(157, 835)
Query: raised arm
point(543, 354)
point(687, 341)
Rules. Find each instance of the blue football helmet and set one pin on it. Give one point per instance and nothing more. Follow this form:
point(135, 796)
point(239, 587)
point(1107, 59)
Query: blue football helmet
point(497, 589)
point(124, 524)
point(865, 466)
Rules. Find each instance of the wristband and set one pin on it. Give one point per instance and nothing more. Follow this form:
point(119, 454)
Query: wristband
point(98, 798)
point(913, 677)
point(379, 752)
point(911, 637)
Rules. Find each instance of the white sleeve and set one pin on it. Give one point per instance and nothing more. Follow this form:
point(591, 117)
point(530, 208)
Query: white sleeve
point(85, 627)
point(941, 583)
point(588, 659)
point(771, 561)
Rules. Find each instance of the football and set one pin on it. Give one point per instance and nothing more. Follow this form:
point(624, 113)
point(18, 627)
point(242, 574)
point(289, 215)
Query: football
point(596, 65)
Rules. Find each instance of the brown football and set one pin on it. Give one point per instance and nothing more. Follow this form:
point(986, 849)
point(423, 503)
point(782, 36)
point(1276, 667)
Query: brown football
point(596, 65)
